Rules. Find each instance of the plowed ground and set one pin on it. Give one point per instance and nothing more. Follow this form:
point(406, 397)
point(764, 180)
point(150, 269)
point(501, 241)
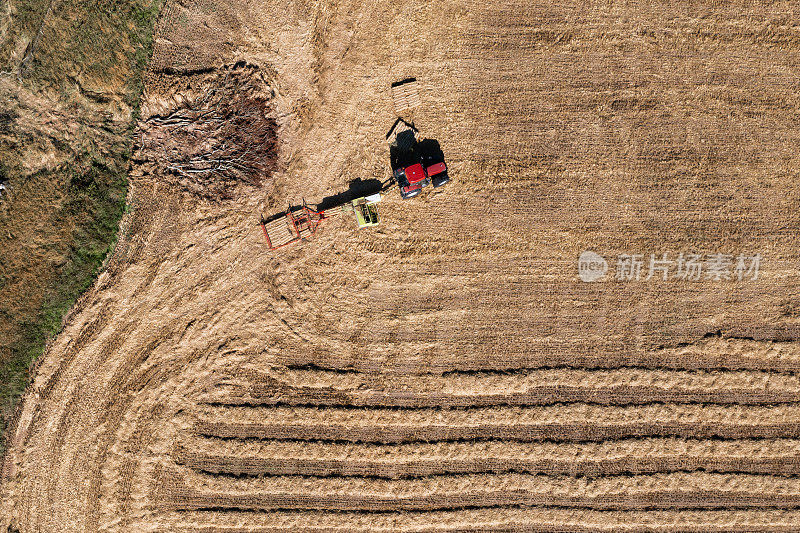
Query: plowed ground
point(447, 370)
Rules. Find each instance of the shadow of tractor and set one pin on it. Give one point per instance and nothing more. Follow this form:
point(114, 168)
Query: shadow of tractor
point(403, 151)
point(357, 189)
point(430, 152)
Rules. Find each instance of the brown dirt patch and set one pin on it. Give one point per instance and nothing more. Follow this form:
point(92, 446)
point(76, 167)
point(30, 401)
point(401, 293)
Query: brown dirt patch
point(220, 133)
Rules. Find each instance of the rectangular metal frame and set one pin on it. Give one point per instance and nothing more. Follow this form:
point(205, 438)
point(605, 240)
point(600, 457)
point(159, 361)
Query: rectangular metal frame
point(300, 223)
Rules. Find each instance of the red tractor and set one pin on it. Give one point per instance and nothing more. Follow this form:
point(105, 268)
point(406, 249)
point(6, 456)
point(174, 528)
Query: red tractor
point(421, 164)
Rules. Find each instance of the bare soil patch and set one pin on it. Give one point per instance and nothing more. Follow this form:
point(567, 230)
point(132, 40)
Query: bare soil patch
point(221, 133)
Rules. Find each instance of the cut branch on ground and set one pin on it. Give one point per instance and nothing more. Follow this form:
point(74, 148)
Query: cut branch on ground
point(219, 137)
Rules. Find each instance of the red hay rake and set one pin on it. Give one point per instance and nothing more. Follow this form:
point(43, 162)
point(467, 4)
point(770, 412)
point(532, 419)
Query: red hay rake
point(291, 227)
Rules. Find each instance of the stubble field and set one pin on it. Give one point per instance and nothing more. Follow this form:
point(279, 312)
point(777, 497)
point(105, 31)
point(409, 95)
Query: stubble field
point(447, 370)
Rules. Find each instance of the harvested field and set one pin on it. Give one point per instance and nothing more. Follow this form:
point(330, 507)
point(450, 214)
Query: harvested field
point(447, 370)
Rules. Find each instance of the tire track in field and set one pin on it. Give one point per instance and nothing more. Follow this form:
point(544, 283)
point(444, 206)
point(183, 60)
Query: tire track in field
point(522, 355)
point(521, 388)
point(569, 422)
point(515, 432)
point(511, 519)
point(658, 491)
point(635, 456)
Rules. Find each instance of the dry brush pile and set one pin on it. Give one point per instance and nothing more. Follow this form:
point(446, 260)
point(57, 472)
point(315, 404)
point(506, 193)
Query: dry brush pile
point(220, 134)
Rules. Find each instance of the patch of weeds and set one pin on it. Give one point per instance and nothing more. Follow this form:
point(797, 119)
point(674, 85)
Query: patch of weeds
point(109, 43)
point(95, 203)
point(27, 17)
point(7, 119)
point(141, 38)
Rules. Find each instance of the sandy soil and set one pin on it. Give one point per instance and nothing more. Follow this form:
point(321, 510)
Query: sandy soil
point(449, 368)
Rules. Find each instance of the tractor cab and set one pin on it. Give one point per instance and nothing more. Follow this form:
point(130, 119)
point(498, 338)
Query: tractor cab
point(415, 163)
point(411, 180)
